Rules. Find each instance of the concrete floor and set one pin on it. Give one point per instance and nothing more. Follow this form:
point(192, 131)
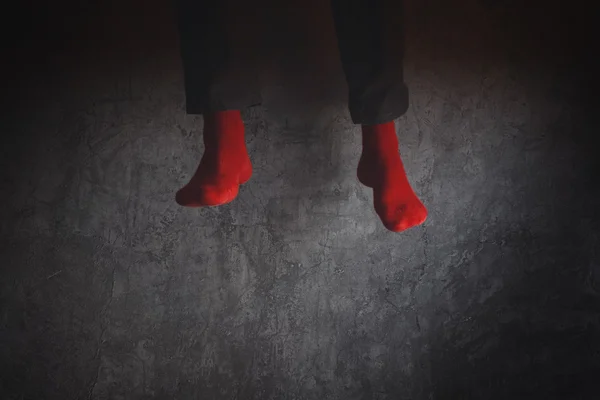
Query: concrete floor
point(109, 290)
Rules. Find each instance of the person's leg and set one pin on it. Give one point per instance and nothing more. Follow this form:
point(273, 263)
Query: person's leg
point(370, 41)
point(204, 51)
point(209, 90)
point(370, 44)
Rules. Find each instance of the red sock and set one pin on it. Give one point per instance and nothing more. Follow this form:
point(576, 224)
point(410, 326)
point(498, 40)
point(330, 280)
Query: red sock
point(225, 163)
point(380, 168)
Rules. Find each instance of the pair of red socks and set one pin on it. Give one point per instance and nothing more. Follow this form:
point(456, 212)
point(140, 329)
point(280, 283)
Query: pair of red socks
point(226, 165)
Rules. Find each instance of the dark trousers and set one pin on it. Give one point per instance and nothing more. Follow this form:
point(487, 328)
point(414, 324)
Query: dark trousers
point(370, 42)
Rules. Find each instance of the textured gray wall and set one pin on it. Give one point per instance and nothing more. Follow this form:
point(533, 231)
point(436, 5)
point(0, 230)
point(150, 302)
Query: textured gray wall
point(295, 290)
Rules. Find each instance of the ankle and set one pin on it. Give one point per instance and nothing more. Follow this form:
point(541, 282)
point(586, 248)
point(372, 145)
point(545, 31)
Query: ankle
point(379, 154)
point(224, 129)
point(222, 117)
point(380, 139)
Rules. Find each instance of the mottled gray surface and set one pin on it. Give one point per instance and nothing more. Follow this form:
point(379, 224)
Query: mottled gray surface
point(295, 290)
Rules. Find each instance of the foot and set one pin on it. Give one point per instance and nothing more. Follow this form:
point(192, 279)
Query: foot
point(224, 166)
point(380, 168)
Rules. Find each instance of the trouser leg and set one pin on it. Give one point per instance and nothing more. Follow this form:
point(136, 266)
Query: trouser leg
point(370, 40)
point(211, 81)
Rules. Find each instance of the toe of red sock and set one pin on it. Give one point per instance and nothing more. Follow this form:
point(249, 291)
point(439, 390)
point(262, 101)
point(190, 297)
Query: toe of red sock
point(399, 216)
point(206, 195)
